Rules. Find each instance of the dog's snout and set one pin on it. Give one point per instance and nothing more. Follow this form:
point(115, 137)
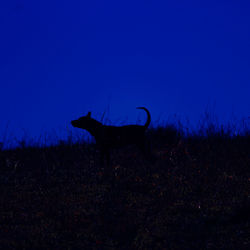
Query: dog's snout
point(73, 122)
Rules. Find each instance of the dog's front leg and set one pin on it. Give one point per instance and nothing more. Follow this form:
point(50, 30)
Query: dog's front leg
point(102, 158)
point(105, 155)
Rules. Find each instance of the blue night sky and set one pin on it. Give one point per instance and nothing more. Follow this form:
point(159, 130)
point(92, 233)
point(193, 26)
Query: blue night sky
point(61, 59)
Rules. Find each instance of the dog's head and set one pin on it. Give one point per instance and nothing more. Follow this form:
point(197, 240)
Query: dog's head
point(83, 122)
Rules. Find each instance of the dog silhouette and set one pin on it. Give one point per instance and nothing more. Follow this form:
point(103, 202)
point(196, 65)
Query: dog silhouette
point(108, 137)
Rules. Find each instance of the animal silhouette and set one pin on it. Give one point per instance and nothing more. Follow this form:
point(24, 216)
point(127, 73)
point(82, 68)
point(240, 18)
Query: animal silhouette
point(108, 137)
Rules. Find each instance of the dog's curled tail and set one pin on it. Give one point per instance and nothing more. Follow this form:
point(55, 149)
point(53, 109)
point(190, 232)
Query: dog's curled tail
point(149, 117)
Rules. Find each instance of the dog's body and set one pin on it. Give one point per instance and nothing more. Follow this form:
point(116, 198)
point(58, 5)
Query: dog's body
point(108, 137)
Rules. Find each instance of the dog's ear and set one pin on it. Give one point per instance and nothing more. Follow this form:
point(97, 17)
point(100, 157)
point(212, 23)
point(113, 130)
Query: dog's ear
point(89, 114)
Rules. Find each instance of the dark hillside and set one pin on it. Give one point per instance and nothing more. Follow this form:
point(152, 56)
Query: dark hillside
point(195, 195)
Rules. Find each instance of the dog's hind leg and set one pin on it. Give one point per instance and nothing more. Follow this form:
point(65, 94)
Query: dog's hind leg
point(145, 147)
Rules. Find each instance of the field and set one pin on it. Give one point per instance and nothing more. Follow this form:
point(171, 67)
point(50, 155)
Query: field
point(195, 194)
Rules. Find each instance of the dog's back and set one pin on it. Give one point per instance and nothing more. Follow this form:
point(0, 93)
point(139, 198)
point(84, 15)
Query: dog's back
point(112, 136)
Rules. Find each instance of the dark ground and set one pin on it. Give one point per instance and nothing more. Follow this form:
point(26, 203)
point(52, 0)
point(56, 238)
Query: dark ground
point(195, 195)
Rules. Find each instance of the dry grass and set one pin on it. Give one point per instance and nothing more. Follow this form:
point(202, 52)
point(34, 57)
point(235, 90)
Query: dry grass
point(194, 196)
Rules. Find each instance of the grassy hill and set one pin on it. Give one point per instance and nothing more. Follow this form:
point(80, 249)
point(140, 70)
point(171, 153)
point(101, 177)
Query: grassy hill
point(195, 195)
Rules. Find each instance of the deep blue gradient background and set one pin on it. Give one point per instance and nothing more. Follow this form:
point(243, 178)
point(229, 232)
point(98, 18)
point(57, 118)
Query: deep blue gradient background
point(60, 59)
